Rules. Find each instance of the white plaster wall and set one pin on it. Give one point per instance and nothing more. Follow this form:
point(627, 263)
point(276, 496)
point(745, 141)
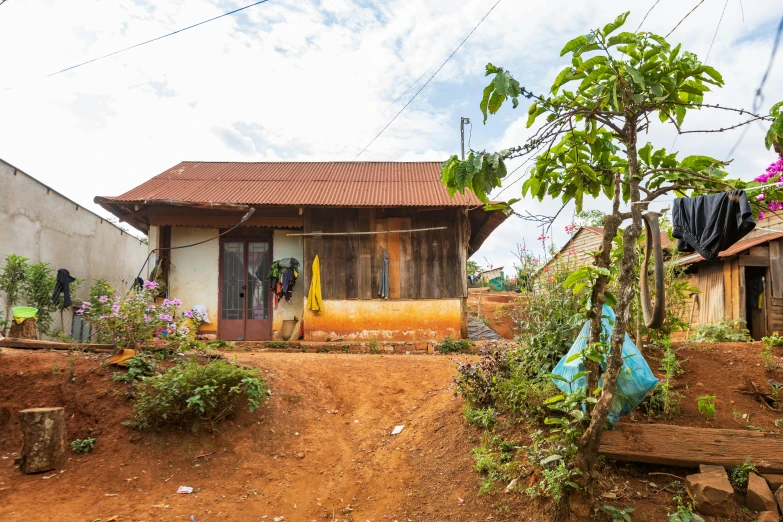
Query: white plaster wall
point(282, 247)
point(38, 223)
point(193, 275)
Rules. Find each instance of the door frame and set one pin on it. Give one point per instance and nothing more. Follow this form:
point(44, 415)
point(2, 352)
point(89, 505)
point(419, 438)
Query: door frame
point(246, 236)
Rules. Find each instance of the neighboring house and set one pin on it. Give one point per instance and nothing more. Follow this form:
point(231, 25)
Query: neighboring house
point(346, 213)
point(41, 224)
point(745, 283)
point(493, 278)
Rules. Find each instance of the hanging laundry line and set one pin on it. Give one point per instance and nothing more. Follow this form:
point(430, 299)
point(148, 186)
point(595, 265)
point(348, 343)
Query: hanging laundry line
point(778, 184)
point(367, 233)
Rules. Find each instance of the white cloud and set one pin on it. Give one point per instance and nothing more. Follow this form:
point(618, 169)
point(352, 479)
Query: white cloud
point(314, 80)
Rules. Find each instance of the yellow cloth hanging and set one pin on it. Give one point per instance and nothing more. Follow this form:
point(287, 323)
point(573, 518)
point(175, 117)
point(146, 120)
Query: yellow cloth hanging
point(314, 301)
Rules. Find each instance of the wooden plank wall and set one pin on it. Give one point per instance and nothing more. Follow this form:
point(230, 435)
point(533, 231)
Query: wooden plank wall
point(711, 298)
point(422, 265)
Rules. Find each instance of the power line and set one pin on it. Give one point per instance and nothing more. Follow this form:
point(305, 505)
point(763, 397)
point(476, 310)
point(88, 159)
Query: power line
point(153, 39)
point(648, 14)
point(429, 80)
point(684, 17)
point(716, 31)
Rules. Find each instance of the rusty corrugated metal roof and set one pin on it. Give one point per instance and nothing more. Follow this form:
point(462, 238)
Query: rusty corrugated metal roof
point(735, 249)
point(358, 184)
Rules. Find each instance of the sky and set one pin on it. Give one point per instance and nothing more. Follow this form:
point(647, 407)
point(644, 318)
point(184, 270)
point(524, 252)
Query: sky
point(297, 80)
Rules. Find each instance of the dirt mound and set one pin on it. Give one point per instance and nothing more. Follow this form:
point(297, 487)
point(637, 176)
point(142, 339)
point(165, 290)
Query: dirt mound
point(319, 449)
point(498, 310)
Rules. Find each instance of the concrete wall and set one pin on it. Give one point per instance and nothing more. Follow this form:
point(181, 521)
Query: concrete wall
point(193, 273)
point(385, 320)
point(42, 225)
point(282, 247)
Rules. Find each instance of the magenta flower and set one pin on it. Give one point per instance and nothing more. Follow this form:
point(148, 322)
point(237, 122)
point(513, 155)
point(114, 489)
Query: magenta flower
point(176, 302)
point(103, 298)
point(86, 304)
point(115, 308)
point(151, 285)
point(147, 319)
point(184, 330)
point(188, 313)
point(80, 311)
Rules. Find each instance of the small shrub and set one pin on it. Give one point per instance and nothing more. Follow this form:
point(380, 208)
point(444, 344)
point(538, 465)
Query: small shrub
point(617, 514)
point(276, 344)
point(774, 340)
point(452, 346)
point(139, 367)
point(739, 473)
point(706, 405)
point(83, 445)
point(190, 393)
point(721, 332)
point(486, 418)
point(477, 382)
point(523, 395)
point(664, 400)
point(495, 459)
point(373, 345)
point(220, 343)
point(768, 357)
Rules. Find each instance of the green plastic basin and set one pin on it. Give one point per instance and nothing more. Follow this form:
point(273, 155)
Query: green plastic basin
point(24, 312)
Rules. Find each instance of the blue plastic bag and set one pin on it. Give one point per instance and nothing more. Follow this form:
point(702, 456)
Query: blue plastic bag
point(635, 381)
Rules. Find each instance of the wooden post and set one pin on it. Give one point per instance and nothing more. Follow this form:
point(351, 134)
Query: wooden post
point(23, 330)
point(43, 443)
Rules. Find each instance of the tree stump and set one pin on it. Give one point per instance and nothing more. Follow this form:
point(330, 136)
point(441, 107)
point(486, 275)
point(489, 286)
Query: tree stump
point(43, 445)
point(25, 330)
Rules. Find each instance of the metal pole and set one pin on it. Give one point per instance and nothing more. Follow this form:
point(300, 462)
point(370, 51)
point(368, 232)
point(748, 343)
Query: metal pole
point(462, 122)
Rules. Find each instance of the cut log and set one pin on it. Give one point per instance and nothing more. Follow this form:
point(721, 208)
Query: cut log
point(690, 447)
point(43, 443)
point(32, 344)
point(24, 330)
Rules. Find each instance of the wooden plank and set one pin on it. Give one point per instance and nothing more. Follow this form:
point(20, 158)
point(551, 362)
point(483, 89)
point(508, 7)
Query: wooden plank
point(727, 290)
point(776, 269)
point(307, 251)
point(753, 261)
point(351, 253)
point(33, 344)
point(337, 256)
point(421, 253)
point(463, 238)
point(407, 283)
point(381, 242)
point(743, 302)
point(437, 257)
point(736, 297)
point(365, 257)
point(393, 248)
point(688, 447)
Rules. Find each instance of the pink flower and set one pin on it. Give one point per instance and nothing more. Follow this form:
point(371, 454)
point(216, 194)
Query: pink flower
point(151, 285)
point(176, 302)
point(80, 311)
point(86, 304)
point(184, 330)
point(103, 298)
point(147, 319)
point(188, 313)
point(115, 308)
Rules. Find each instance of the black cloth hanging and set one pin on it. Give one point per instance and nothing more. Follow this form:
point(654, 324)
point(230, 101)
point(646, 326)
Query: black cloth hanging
point(63, 286)
point(712, 223)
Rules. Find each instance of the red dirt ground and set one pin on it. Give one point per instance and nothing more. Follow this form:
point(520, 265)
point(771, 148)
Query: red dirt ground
point(498, 308)
point(293, 458)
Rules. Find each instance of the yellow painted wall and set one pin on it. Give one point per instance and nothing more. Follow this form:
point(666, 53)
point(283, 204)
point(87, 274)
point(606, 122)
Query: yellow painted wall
point(385, 320)
point(193, 276)
point(282, 247)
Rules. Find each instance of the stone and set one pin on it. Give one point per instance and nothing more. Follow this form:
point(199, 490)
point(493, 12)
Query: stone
point(709, 468)
point(768, 516)
point(711, 493)
point(779, 497)
point(774, 480)
point(759, 496)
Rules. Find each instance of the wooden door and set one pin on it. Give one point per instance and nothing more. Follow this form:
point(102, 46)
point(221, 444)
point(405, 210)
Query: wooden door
point(245, 300)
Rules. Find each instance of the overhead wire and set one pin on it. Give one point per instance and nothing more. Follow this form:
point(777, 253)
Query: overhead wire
point(72, 67)
point(429, 79)
point(684, 17)
point(716, 31)
point(646, 15)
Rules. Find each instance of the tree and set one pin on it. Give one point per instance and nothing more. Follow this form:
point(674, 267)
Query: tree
point(473, 267)
point(12, 282)
point(589, 145)
point(590, 218)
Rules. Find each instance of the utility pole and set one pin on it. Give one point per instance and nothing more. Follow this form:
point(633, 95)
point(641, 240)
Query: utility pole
point(462, 122)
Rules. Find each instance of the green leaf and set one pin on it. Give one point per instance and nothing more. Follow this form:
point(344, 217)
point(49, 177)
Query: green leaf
point(592, 62)
point(656, 89)
point(495, 101)
point(574, 44)
point(501, 83)
point(645, 151)
point(636, 76)
point(556, 398)
point(622, 38)
point(680, 111)
point(491, 69)
point(712, 73)
point(485, 100)
point(618, 22)
point(561, 78)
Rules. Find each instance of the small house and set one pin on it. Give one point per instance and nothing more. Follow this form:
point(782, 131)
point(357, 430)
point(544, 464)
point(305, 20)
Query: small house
point(350, 215)
point(745, 283)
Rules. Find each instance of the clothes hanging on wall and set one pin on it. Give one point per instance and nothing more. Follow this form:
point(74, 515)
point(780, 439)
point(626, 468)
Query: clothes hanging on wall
point(282, 277)
point(63, 286)
point(712, 223)
point(314, 301)
point(383, 287)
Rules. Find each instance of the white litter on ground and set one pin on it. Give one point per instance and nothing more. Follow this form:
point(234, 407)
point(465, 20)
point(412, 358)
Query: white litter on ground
point(398, 429)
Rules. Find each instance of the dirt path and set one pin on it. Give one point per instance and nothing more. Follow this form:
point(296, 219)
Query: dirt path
point(296, 458)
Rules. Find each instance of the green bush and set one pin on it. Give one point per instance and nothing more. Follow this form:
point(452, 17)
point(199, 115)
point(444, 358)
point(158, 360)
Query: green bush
point(721, 332)
point(525, 396)
point(739, 473)
point(139, 367)
point(83, 445)
point(774, 340)
point(486, 418)
point(706, 405)
point(452, 346)
point(191, 393)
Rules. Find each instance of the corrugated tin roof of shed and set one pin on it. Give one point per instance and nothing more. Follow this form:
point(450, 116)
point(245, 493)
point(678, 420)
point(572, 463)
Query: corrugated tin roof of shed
point(301, 183)
point(736, 248)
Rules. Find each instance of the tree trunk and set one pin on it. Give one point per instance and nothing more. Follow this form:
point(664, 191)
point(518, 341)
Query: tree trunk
point(581, 503)
point(25, 330)
point(43, 445)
